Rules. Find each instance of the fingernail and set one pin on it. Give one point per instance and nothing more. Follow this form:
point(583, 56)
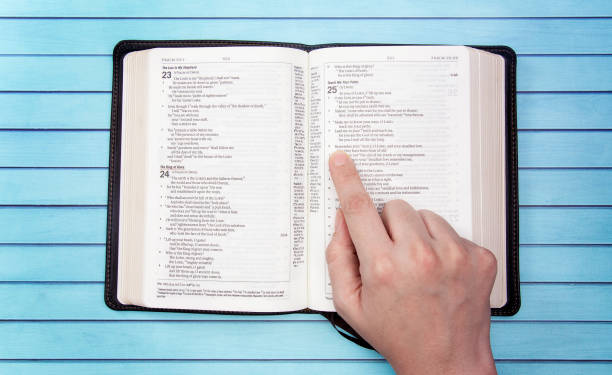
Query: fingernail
point(339, 158)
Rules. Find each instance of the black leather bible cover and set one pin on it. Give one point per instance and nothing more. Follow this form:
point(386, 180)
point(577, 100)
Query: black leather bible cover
point(512, 229)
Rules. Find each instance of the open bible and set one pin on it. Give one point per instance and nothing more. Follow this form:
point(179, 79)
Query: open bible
point(220, 198)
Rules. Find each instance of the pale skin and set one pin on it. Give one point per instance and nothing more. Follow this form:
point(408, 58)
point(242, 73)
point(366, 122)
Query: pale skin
point(408, 283)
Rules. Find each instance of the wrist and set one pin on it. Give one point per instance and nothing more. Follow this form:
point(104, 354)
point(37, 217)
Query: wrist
point(481, 363)
point(487, 368)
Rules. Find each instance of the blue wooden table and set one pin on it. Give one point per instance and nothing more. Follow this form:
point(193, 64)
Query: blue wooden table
point(55, 81)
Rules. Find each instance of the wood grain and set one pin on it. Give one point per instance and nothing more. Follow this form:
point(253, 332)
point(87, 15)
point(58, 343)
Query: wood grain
point(56, 77)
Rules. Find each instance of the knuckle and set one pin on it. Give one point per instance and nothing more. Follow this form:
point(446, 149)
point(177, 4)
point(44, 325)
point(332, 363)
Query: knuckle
point(428, 260)
point(420, 245)
point(429, 216)
point(425, 213)
point(458, 257)
point(488, 260)
point(382, 269)
point(395, 207)
point(357, 202)
point(394, 204)
point(426, 216)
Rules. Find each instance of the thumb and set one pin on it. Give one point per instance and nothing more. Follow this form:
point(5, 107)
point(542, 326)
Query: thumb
point(343, 266)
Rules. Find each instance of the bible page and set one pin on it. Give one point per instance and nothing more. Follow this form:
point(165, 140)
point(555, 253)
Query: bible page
point(402, 114)
point(226, 214)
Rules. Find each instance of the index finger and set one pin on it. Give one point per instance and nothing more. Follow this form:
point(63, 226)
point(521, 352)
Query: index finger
point(364, 223)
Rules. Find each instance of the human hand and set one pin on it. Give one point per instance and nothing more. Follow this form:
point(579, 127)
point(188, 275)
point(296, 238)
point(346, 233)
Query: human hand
point(408, 284)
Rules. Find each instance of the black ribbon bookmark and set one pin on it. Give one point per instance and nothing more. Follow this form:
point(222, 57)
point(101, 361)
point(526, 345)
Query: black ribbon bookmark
point(346, 330)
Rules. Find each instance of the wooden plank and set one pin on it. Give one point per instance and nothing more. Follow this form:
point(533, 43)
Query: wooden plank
point(538, 340)
point(92, 110)
point(312, 8)
point(74, 301)
point(52, 262)
point(272, 340)
point(90, 148)
point(298, 367)
point(566, 263)
point(54, 148)
point(565, 149)
point(86, 225)
point(206, 340)
point(99, 36)
point(85, 301)
point(553, 368)
point(89, 186)
point(85, 263)
point(76, 225)
point(49, 73)
point(572, 69)
point(564, 111)
point(565, 186)
point(561, 341)
point(86, 73)
point(552, 225)
point(54, 186)
point(55, 111)
point(94, 73)
point(570, 302)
